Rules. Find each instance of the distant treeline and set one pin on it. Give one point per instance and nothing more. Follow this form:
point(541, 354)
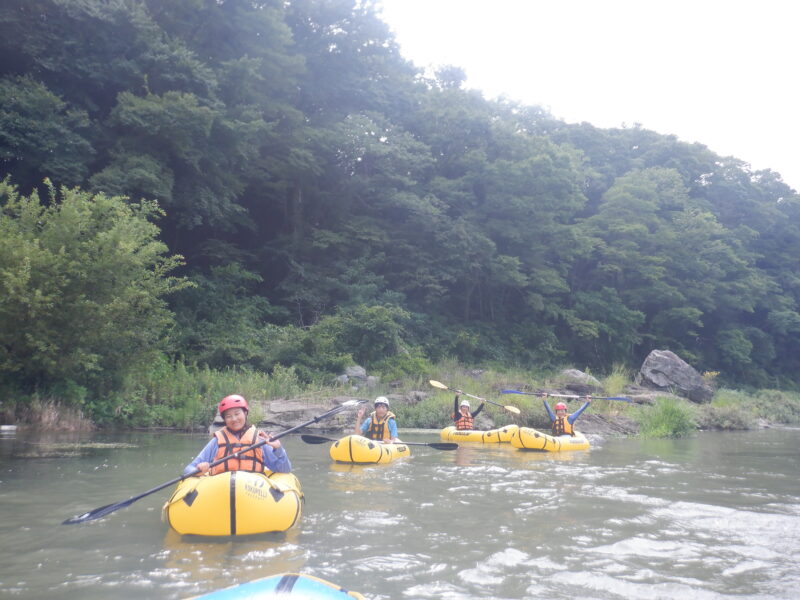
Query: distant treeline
point(230, 182)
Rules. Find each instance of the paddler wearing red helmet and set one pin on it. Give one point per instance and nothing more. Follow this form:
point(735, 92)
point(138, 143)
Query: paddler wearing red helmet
point(235, 435)
point(562, 422)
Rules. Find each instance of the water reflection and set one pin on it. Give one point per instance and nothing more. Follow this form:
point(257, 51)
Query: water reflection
point(532, 458)
point(205, 564)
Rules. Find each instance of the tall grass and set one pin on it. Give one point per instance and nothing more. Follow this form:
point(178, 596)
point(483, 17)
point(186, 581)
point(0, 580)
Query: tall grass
point(436, 410)
point(615, 383)
point(173, 394)
point(735, 409)
point(667, 418)
point(431, 413)
point(46, 413)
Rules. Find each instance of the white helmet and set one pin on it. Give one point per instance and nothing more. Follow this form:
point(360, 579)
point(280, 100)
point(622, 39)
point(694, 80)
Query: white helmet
point(381, 400)
point(464, 403)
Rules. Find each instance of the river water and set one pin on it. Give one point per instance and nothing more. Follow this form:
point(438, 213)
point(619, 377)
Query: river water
point(713, 516)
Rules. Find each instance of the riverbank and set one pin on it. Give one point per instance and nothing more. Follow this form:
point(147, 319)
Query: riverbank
point(280, 401)
point(650, 413)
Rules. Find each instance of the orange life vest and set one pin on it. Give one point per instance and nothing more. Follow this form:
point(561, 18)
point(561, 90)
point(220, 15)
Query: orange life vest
point(562, 427)
point(379, 430)
point(465, 422)
point(252, 460)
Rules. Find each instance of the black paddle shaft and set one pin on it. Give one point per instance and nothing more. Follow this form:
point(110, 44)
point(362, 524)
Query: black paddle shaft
point(319, 439)
point(109, 508)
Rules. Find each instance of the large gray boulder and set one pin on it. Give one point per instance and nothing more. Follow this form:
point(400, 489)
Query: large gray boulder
point(579, 382)
point(356, 372)
point(665, 370)
point(280, 414)
point(357, 377)
point(285, 414)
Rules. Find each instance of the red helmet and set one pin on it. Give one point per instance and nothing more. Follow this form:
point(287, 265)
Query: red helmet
point(561, 406)
point(233, 401)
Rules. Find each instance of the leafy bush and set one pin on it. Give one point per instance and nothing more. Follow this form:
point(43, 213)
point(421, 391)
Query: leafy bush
point(736, 409)
point(173, 394)
point(283, 382)
point(222, 320)
point(730, 409)
point(365, 335)
point(778, 406)
point(667, 418)
point(431, 413)
point(406, 363)
point(84, 279)
point(312, 353)
point(730, 417)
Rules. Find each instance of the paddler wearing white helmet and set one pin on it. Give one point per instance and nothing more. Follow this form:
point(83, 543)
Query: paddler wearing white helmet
point(381, 424)
point(463, 418)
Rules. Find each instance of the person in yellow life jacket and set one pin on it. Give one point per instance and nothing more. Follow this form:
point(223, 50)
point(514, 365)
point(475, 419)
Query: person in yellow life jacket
point(381, 424)
point(464, 419)
point(235, 435)
point(562, 422)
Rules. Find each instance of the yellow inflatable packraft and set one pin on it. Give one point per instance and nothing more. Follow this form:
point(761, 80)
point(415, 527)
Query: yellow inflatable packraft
point(492, 436)
point(531, 439)
point(358, 449)
point(235, 503)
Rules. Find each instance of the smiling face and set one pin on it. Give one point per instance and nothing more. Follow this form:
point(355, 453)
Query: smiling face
point(235, 418)
point(464, 409)
point(381, 410)
point(561, 412)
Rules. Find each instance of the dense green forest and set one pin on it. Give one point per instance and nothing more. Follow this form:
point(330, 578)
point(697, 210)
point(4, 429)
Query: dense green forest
point(270, 184)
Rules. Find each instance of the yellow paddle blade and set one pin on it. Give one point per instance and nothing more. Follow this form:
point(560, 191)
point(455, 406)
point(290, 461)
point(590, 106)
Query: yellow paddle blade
point(512, 409)
point(438, 384)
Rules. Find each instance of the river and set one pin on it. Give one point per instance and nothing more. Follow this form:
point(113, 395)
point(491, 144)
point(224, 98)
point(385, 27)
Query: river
point(716, 515)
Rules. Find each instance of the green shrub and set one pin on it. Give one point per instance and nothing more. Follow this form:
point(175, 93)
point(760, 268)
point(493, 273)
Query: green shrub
point(84, 280)
point(736, 409)
point(365, 335)
point(313, 352)
point(222, 321)
point(407, 363)
point(173, 394)
point(778, 406)
point(728, 417)
point(431, 413)
point(283, 382)
point(667, 418)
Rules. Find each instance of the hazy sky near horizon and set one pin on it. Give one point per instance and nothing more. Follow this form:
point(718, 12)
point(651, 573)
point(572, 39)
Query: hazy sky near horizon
point(723, 73)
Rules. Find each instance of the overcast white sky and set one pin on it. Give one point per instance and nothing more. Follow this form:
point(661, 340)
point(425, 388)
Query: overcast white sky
point(725, 73)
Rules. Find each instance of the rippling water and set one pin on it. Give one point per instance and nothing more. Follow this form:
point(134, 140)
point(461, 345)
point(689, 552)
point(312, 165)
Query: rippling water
point(713, 516)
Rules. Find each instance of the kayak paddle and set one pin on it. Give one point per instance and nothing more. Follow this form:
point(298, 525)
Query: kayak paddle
point(441, 386)
point(319, 439)
point(109, 508)
point(549, 395)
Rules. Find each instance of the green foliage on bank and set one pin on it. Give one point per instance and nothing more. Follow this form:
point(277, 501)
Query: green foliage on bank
point(172, 394)
point(668, 417)
point(735, 409)
point(84, 279)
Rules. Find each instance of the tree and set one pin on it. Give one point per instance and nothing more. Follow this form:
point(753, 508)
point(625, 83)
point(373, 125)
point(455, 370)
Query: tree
point(84, 280)
point(39, 133)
